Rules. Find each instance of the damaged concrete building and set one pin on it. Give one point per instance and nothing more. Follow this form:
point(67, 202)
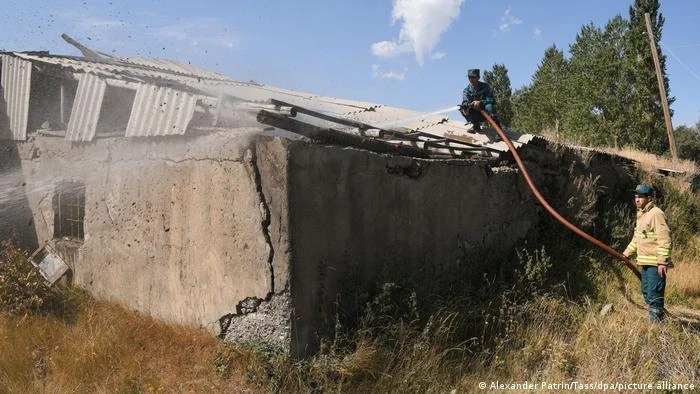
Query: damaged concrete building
point(242, 208)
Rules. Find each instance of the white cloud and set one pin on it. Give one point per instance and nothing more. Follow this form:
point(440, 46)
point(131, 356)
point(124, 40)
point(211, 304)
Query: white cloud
point(508, 21)
point(537, 33)
point(423, 24)
point(389, 48)
point(377, 72)
point(439, 55)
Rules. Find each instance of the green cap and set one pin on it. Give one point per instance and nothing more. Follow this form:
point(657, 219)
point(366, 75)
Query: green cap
point(473, 72)
point(644, 189)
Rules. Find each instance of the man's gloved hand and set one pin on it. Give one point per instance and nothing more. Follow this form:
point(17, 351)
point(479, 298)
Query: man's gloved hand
point(476, 104)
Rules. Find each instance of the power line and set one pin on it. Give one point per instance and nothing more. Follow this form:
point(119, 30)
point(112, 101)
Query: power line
point(680, 61)
point(688, 45)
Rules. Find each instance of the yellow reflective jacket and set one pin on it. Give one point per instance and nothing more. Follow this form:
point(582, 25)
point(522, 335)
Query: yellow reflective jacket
point(652, 237)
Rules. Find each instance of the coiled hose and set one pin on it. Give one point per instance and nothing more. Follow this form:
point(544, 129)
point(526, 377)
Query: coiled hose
point(549, 208)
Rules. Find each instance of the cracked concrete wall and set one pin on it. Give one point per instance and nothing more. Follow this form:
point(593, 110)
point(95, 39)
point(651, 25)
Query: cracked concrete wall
point(188, 229)
point(175, 228)
point(355, 215)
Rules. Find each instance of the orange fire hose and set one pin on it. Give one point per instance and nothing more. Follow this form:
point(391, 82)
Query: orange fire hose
point(551, 210)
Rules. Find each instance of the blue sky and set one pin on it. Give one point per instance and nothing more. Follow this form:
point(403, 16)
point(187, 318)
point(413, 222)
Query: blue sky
point(406, 53)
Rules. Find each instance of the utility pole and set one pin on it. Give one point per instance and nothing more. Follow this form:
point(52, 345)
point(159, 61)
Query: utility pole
point(662, 89)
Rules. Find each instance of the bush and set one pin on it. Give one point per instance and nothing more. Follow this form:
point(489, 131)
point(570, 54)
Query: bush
point(688, 142)
point(682, 212)
point(22, 288)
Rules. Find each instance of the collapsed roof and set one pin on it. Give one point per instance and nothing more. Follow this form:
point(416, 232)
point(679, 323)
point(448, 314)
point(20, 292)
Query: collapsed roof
point(99, 95)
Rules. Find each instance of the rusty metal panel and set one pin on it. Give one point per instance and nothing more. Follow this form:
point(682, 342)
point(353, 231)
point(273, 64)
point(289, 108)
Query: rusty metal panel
point(16, 83)
point(85, 114)
point(159, 110)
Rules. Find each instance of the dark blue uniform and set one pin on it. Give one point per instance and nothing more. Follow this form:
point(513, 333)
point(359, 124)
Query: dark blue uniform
point(482, 93)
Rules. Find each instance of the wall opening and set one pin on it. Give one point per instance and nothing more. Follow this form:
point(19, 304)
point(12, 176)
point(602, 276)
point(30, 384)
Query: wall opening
point(50, 102)
point(69, 210)
point(115, 111)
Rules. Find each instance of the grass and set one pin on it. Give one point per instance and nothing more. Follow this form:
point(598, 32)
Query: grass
point(651, 162)
point(684, 277)
point(109, 349)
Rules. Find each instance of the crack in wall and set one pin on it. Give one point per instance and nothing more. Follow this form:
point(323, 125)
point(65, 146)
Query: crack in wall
point(250, 159)
point(250, 305)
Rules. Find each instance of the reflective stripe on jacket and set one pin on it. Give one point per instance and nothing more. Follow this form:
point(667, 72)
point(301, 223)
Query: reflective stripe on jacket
point(652, 238)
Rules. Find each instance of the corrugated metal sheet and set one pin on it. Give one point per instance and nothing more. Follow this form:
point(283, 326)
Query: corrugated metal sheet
point(396, 117)
point(85, 114)
point(215, 85)
point(16, 83)
point(160, 111)
point(172, 66)
point(111, 70)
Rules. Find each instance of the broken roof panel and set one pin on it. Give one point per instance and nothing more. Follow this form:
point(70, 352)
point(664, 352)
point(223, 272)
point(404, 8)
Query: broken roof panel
point(85, 114)
point(16, 83)
point(390, 117)
point(166, 65)
point(159, 110)
point(112, 70)
point(167, 93)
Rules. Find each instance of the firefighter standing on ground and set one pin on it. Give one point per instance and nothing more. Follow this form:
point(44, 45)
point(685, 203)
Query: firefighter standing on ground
point(477, 95)
point(652, 246)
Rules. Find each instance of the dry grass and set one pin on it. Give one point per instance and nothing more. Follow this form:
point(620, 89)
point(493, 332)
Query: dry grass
point(108, 349)
point(619, 347)
point(650, 162)
point(684, 277)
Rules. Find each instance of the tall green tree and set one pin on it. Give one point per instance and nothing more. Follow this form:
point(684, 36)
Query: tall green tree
point(583, 116)
point(524, 117)
point(649, 128)
point(547, 97)
point(500, 85)
point(616, 95)
point(598, 112)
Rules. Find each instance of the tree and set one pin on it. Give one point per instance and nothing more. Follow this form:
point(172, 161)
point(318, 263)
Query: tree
point(500, 85)
point(586, 77)
point(648, 127)
point(598, 112)
point(688, 142)
point(548, 95)
point(616, 94)
point(524, 116)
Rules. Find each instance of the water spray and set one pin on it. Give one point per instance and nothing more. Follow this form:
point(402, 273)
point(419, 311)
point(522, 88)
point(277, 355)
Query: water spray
point(418, 117)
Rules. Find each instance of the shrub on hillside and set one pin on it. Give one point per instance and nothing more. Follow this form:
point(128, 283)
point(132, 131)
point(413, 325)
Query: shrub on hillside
point(688, 142)
point(682, 211)
point(22, 288)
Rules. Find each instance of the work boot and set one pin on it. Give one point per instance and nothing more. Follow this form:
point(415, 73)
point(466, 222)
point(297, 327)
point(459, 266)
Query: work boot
point(656, 315)
point(476, 126)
